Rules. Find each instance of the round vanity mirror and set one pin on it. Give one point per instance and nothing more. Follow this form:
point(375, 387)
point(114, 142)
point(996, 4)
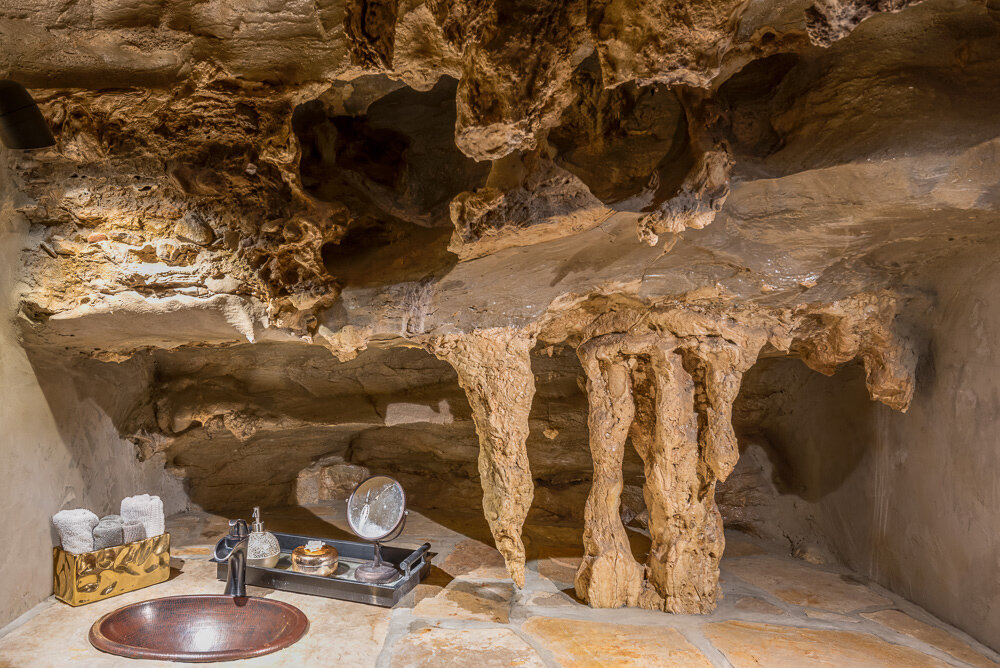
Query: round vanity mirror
point(376, 511)
point(376, 507)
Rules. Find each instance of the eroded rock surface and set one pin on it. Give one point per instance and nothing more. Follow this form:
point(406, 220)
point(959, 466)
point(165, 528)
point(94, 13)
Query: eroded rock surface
point(600, 217)
point(668, 384)
point(494, 369)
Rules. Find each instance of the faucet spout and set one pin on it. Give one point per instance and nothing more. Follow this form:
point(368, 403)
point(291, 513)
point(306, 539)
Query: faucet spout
point(233, 548)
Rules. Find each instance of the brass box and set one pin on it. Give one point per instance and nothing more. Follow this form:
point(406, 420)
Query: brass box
point(94, 576)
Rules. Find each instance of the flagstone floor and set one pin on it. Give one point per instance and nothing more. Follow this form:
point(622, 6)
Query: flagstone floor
point(777, 611)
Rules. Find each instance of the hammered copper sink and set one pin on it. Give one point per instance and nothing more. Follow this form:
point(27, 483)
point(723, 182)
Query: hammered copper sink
point(199, 628)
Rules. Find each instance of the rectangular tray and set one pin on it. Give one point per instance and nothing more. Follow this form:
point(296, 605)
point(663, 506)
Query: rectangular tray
point(413, 564)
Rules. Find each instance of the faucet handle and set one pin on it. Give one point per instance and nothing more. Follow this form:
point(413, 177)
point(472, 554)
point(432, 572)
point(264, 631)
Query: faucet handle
point(224, 548)
point(239, 529)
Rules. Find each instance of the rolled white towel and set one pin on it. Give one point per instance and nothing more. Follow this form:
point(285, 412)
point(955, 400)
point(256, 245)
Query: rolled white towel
point(133, 531)
point(145, 509)
point(108, 532)
point(75, 529)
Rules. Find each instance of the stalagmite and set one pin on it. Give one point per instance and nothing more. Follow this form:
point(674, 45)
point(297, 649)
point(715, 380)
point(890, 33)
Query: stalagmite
point(494, 369)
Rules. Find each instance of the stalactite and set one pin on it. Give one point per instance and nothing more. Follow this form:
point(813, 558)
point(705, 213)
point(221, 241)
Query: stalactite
point(494, 369)
point(861, 326)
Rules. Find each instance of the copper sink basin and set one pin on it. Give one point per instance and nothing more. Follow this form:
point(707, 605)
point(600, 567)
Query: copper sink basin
point(199, 628)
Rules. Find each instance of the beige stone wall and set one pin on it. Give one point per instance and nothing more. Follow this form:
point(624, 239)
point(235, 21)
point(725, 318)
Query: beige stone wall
point(932, 489)
point(58, 448)
point(911, 500)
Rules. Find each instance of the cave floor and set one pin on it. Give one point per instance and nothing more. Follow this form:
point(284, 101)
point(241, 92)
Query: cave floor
point(777, 611)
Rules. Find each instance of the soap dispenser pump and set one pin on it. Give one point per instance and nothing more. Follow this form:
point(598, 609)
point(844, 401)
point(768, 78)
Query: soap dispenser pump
point(263, 550)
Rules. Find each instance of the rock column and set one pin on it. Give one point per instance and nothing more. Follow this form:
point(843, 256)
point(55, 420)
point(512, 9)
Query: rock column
point(608, 577)
point(673, 396)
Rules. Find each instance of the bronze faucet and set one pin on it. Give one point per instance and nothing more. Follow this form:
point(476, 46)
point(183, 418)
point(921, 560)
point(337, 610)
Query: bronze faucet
point(233, 548)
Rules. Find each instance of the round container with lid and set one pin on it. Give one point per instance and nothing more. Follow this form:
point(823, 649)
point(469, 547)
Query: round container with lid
point(315, 558)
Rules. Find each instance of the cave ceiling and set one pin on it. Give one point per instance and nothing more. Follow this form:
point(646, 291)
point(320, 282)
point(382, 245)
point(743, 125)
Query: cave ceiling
point(342, 173)
point(395, 169)
point(246, 196)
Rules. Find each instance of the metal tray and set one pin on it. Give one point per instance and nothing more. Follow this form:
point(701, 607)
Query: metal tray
point(413, 565)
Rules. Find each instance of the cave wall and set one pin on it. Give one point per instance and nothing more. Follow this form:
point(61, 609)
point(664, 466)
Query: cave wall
point(250, 424)
point(907, 499)
point(58, 446)
point(925, 522)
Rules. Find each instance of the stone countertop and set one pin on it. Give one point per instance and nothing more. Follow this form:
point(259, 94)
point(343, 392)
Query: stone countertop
point(777, 611)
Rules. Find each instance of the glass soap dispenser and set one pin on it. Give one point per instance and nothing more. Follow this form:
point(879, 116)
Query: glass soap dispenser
point(262, 547)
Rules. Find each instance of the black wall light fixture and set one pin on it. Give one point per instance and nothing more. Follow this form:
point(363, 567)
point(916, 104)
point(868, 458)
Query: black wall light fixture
point(22, 125)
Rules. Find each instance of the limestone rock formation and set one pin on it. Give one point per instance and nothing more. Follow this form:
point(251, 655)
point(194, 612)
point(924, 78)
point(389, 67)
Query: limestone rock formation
point(456, 242)
point(494, 369)
point(667, 382)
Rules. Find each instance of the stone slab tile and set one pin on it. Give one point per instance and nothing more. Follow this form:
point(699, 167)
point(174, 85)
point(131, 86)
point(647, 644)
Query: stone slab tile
point(559, 564)
point(750, 645)
point(597, 644)
point(802, 584)
point(552, 599)
point(473, 559)
point(831, 617)
point(740, 546)
point(484, 602)
point(461, 648)
point(548, 534)
point(756, 605)
point(935, 637)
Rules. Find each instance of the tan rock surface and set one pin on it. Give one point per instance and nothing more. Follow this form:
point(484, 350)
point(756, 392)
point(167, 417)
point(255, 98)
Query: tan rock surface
point(551, 600)
point(579, 643)
point(740, 546)
point(609, 576)
point(751, 604)
point(472, 559)
point(673, 395)
point(468, 600)
point(463, 647)
point(559, 564)
point(801, 584)
point(495, 371)
point(259, 218)
point(932, 635)
point(749, 644)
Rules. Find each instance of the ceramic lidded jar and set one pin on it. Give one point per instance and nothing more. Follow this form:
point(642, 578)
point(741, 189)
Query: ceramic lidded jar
point(315, 558)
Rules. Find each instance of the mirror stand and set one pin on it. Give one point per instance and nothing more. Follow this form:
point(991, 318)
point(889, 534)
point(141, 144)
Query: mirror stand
point(379, 571)
point(376, 511)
